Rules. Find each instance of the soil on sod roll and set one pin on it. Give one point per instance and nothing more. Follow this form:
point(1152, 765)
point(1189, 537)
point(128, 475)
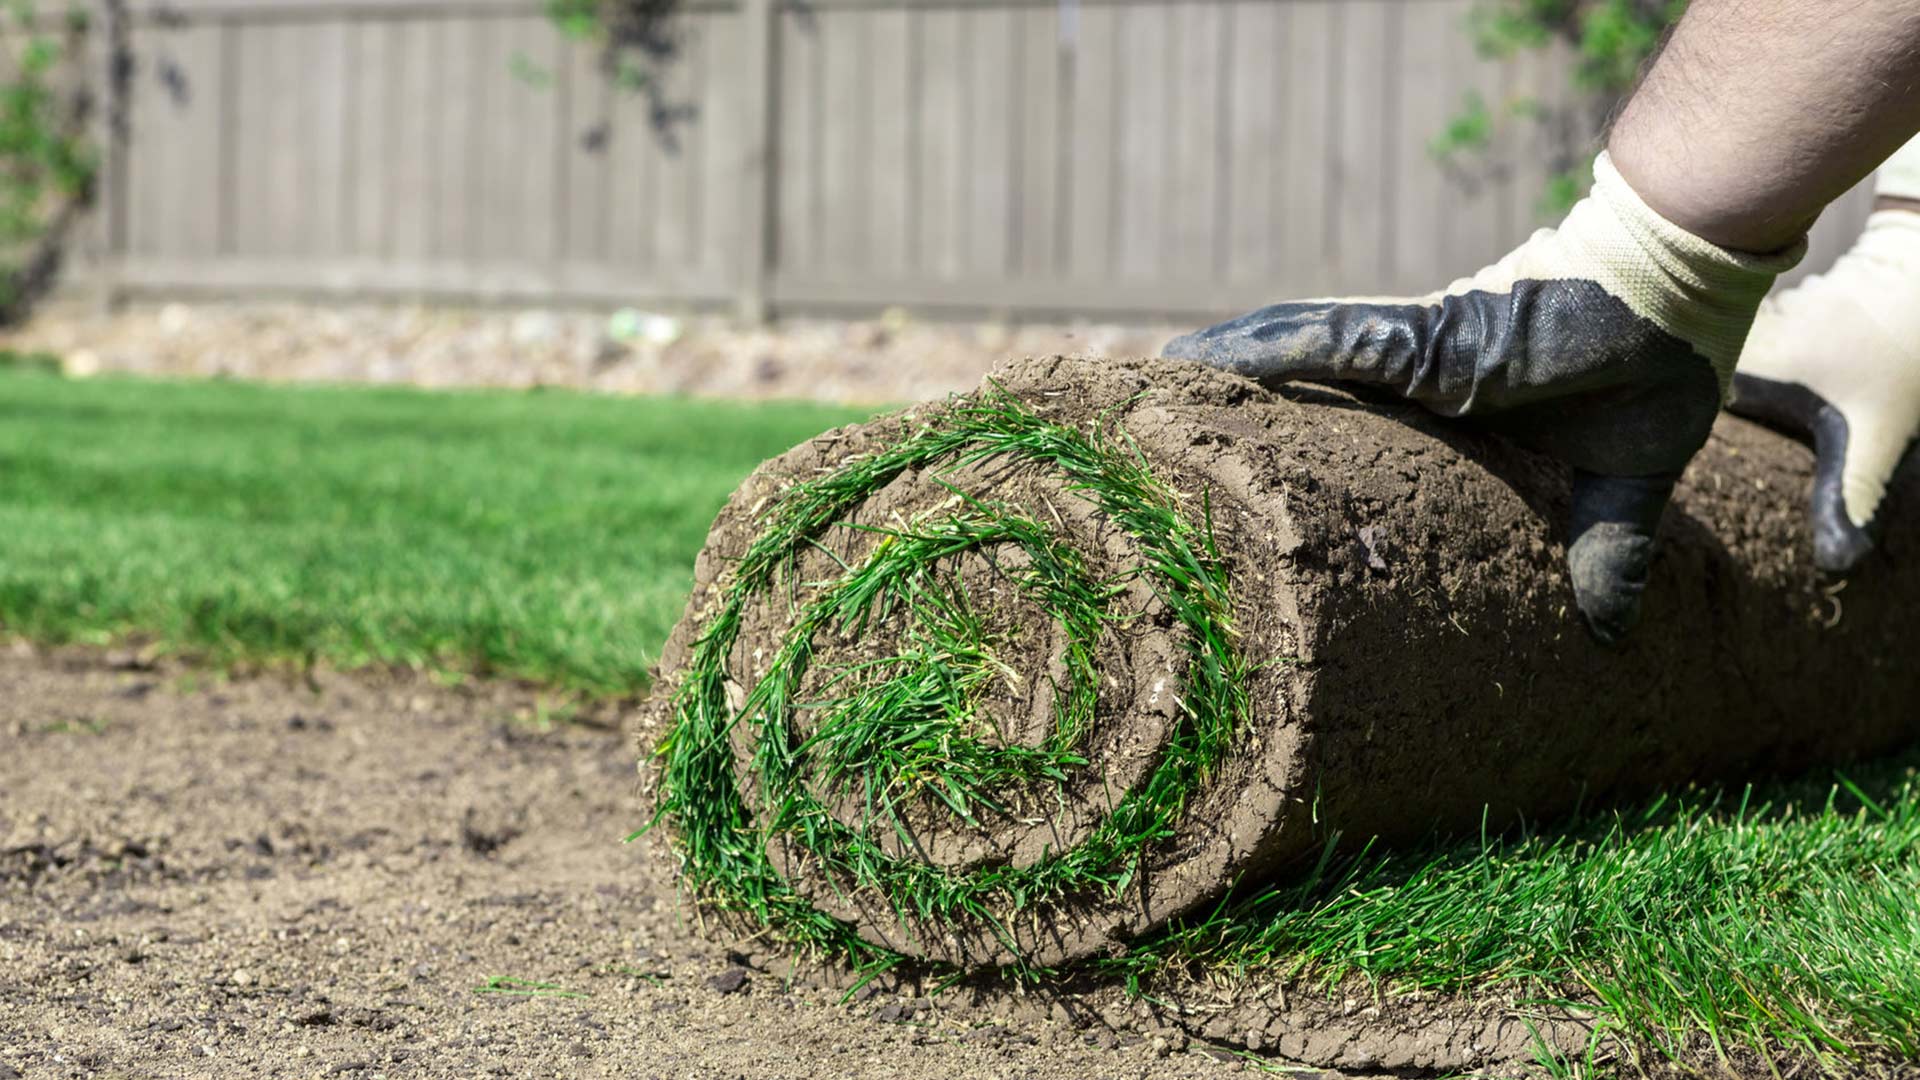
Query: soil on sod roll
point(1022, 675)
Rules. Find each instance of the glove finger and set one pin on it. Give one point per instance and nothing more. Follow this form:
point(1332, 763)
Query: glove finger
point(1615, 520)
point(1838, 543)
point(1316, 339)
point(1853, 463)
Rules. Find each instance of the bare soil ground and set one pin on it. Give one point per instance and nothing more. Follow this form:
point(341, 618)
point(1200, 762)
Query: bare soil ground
point(892, 358)
point(274, 876)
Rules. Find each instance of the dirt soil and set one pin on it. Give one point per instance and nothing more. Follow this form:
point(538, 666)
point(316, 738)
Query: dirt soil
point(318, 876)
point(893, 357)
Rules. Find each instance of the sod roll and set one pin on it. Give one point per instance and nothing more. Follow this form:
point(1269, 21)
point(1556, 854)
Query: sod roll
point(1023, 675)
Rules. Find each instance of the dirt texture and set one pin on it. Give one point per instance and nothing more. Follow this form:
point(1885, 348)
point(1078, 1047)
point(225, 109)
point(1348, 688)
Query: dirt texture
point(319, 877)
point(890, 359)
point(1400, 594)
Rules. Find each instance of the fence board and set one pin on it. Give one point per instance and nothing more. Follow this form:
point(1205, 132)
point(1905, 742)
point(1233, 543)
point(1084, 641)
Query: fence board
point(1253, 141)
point(1037, 117)
point(846, 119)
point(1096, 75)
point(1191, 197)
point(727, 146)
point(991, 131)
point(798, 122)
point(890, 166)
point(941, 131)
point(1025, 155)
point(1303, 211)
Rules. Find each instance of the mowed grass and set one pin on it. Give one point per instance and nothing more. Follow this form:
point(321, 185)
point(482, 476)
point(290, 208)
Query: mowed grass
point(543, 535)
point(1766, 927)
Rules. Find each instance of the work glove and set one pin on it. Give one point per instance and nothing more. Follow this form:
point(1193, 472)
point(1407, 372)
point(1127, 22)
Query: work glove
point(1836, 361)
point(1607, 343)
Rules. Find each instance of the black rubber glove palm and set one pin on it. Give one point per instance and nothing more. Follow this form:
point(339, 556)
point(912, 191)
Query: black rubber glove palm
point(1606, 343)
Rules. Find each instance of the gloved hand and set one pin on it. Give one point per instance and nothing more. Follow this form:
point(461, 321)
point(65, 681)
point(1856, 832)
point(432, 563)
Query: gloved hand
point(1836, 360)
point(1607, 343)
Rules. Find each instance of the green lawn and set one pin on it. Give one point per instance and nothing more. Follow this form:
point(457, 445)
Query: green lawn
point(551, 536)
point(547, 535)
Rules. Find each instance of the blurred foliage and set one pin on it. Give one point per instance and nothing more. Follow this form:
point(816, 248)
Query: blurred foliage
point(636, 41)
point(47, 157)
point(634, 36)
point(1611, 40)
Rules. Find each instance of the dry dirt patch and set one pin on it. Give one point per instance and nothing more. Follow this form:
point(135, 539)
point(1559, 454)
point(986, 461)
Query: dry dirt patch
point(261, 877)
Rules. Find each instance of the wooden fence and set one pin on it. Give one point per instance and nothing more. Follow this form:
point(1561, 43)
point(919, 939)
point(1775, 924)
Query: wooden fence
point(1018, 156)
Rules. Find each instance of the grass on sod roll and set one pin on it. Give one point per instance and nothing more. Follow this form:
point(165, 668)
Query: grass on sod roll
point(545, 535)
point(552, 535)
point(723, 840)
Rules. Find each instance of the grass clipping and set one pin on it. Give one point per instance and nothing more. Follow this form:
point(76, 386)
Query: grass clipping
point(908, 726)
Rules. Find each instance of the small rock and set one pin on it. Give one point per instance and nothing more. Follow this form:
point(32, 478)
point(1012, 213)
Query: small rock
point(241, 978)
point(175, 318)
point(729, 981)
point(535, 328)
point(1161, 1048)
point(80, 364)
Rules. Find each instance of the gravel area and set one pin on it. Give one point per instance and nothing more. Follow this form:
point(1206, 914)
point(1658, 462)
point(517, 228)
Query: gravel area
point(892, 358)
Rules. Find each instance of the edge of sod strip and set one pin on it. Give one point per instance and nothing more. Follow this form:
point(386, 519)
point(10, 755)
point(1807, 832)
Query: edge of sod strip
point(911, 712)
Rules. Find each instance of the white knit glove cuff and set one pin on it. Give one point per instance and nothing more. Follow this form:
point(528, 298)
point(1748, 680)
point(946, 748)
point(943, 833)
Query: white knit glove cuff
point(1700, 292)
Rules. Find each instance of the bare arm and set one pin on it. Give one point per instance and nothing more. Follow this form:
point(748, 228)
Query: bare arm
point(1761, 112)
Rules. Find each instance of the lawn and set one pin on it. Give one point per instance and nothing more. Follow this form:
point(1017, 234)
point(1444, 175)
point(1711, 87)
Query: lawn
point(550, 536)
point(542, 535)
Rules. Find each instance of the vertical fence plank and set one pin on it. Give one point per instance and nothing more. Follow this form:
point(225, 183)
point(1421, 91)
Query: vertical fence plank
point(454, 167)
point(1037, 119)
point(412, 137)
point(1420, 203)
point(1478, 184)
point(1302, 208)
point(1253, 135)
point(149, 157)
point(1092, 180)
point(323, 97)
point(676, 149)
point(799, 121)
point(1148, 39)
point(1191, 199)
point(1359, 159)
point(375, 98)
point(723, 164)
point(941, 157)
point(589, 146)
point(890, 172)
point(991, 131)
point(846, 122)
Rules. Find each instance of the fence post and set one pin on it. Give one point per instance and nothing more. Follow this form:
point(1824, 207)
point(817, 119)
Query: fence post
point(106, 49)
point(758, 174)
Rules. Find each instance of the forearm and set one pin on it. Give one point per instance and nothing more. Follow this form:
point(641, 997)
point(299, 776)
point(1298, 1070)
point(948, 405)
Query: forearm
point(1761, 112)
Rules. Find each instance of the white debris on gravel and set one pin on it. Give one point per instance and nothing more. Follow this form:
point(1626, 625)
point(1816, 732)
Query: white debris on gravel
point(892, 358)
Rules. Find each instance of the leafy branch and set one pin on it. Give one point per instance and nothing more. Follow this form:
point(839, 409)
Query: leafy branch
point(1611, 40)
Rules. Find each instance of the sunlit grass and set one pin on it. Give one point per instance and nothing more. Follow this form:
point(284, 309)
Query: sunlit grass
point(544, 535)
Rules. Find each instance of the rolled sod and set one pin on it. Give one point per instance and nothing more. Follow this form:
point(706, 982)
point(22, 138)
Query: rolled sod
point(1020, 676)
